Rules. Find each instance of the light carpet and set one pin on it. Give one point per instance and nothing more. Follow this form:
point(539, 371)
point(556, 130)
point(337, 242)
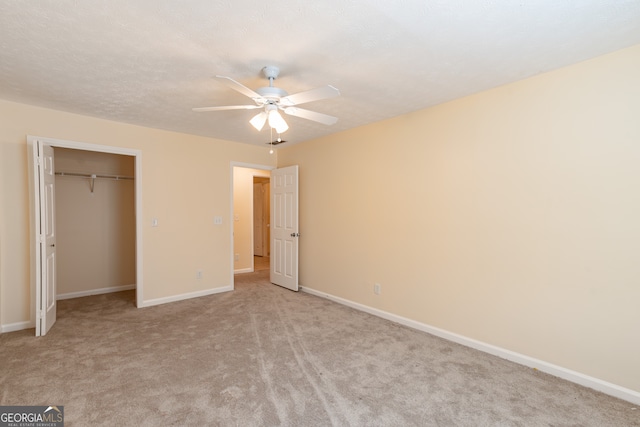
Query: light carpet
point(265, 356)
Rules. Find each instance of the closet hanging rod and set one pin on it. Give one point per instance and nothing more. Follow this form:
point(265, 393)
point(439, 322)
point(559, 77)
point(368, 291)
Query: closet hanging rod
point(93, 177)
point(88, 175)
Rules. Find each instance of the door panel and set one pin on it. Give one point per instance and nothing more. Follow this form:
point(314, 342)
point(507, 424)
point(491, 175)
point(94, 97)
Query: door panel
point(50, 278)
point(49, 229)
point(284, 227)
point(276, 261)
point(45, 234)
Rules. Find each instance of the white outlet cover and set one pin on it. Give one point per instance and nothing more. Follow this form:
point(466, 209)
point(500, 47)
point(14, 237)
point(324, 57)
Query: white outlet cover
point(217, 220)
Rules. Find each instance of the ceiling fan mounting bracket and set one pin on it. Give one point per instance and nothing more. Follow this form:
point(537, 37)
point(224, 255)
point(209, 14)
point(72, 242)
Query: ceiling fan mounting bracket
point(271, 72)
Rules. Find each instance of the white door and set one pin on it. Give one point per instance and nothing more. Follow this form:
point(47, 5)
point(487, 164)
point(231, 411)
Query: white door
point(44, 179)
point(284, 227)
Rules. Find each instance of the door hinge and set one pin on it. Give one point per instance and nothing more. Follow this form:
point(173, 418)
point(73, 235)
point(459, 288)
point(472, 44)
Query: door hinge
point(39, 314)
point(42, 238)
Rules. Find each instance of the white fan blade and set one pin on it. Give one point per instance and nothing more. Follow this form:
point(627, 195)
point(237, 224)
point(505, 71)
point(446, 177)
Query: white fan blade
point(316, 94)
point(240, 87)
point(227, 107)
point(310, 115)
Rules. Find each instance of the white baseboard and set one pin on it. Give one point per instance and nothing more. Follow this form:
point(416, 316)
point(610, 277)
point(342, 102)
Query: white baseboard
point(18, 326)
point(557, 371)
point(29, 324)
point(174, 298)
point(69, 295)
point(243, 270)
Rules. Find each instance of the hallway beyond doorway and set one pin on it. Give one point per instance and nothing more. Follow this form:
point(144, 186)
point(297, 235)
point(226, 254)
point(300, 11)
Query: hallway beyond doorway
point(261, 263)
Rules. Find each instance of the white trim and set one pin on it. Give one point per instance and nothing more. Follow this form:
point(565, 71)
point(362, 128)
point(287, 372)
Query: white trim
point(243, 270)
point(139, 220)
point(157, 301)
point(18, 326)
point(181, 297)
point(251, 166)
point(85, 146)
point(34, 230)
point(99, 291)
point(549, 368)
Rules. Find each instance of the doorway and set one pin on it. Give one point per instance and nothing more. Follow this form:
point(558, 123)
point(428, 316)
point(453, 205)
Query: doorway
point(41, 279)
point(284, 227)
point(95, 223)
point(250, 231)
point(261, 223)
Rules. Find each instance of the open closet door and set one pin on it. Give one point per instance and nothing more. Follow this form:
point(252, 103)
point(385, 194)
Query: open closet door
point(284, 227)
point(45, 253)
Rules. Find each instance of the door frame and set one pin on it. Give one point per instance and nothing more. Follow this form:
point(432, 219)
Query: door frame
point(231, 255)
point(35, 214)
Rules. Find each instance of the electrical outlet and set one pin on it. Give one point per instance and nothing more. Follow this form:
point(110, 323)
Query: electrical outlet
point(199, 274)
point(236, 257)
point(217, 220)
point(376, 288)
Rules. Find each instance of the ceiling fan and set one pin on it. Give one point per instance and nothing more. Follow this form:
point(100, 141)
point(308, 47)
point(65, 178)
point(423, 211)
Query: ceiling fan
point(272, 99)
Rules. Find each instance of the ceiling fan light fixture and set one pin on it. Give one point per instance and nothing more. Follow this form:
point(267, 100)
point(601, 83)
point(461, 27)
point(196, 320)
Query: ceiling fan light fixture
point(270, 99)
point(259, 120)
point(277, 122)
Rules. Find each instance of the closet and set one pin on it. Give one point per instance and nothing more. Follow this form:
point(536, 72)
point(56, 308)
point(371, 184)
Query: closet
point(95, 222)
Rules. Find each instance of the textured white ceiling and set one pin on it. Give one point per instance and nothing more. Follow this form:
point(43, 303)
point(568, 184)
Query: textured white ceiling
point(148, 62)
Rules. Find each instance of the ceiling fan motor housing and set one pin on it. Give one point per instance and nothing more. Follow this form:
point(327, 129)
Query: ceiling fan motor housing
point(272, 92)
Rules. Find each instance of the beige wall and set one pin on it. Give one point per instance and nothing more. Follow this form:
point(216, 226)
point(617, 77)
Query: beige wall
point(243, 210)
point(511, 217)
point(185, 183)
point(95, 244)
